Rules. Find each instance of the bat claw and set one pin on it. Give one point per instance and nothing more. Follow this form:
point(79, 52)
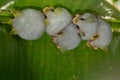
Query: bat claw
point(88, 44)
point(54, 38)
point(94, 37)
point(58, 47)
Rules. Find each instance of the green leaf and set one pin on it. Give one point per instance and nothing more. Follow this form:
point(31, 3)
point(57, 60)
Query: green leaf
point(41, 60)
point(114, 1)
point(74, 6)
point(3, 2)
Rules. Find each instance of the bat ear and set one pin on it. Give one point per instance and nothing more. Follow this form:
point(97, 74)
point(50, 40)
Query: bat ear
point(58, 10)
point(46, 9)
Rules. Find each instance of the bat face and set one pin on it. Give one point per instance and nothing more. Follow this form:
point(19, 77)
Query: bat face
point(68, 38)
point(29, 24)
point(87, 24)
point(57, 20)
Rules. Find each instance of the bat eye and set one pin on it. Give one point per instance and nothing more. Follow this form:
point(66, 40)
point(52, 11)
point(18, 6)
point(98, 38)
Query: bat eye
point(82, 19)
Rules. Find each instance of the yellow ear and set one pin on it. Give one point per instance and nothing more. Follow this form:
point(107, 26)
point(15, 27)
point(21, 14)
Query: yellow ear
point(52, 7)
point(46, 9)
point(13, 32)
point(58, 10)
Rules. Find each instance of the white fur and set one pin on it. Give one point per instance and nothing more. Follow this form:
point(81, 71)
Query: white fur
point(69, 38)
point(29, 24)
point(88, 26)
point(56, 21)
point(105, 34)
